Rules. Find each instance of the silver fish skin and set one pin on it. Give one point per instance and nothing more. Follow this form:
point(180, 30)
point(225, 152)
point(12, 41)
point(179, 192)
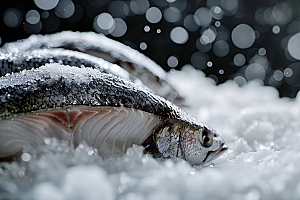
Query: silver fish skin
point(15, 62)
point(39, 97)
point(99, 45)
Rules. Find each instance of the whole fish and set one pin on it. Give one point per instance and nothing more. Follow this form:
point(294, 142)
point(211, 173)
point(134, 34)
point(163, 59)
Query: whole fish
point(99, 45)
point(109, 113)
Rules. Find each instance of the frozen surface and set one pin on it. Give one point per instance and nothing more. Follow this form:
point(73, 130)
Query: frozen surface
point(263, 160)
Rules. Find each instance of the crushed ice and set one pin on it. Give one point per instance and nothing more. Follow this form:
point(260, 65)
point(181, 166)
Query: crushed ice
point(262, 162)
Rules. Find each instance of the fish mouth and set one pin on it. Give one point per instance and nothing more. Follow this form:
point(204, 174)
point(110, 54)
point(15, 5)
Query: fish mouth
point(214, 154)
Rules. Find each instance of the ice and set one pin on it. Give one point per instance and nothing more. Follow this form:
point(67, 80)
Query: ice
point(261, 130)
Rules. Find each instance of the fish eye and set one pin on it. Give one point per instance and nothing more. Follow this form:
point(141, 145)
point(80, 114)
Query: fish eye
point(206, 138)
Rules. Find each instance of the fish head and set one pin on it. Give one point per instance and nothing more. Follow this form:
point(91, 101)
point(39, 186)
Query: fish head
point(196, 144)
point(202, 145)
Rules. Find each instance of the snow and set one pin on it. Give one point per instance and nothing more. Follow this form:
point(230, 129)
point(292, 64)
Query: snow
point(261, 130)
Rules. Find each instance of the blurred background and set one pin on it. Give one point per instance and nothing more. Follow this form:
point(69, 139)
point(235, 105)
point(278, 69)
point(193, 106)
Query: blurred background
point(227, 39)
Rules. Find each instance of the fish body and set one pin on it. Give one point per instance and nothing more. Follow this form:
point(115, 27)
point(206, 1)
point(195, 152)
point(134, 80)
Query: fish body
point(99, 45)
point(16, 62)
point(109, 113)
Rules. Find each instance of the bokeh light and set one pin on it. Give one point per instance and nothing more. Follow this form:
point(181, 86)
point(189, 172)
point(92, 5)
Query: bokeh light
point(293, 46)
point(147, 28)
point(104, 23)
point(118, 9)
point(172, 14)
point(278, 75)
point(190, 23)
point(199, 60)
point(46, 4)
point(247, 40)
point(292, 74)
point(120, 28)
point(139, 7)
point(32, 17)
point(172, 61)
point(203, 16)
point(209, 34)
point(240, 80)
point(221, 48)
point(243, 36)
point(153, 15)
point(203, 47)
point(12, 17)
point(255, 71)
point(239, 59)
point(179, 35)
point(65, 9)
point(143, 46)
point(276, 29)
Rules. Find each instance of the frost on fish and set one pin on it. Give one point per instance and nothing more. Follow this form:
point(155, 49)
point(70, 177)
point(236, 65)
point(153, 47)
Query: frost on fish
point(98, 45)
point(16, 62)
point(49, 99)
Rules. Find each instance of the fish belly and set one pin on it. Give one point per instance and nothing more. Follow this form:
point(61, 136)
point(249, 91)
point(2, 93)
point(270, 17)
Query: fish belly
point(111, 130)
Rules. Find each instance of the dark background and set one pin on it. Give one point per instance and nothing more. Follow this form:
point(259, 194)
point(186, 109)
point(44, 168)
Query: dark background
point(268, 58)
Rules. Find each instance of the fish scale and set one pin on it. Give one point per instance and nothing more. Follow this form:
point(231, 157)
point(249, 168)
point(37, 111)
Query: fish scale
point(113, 94)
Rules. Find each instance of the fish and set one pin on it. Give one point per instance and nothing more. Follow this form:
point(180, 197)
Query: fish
point(16, 62)
point(111, 114)
point(137, 64)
